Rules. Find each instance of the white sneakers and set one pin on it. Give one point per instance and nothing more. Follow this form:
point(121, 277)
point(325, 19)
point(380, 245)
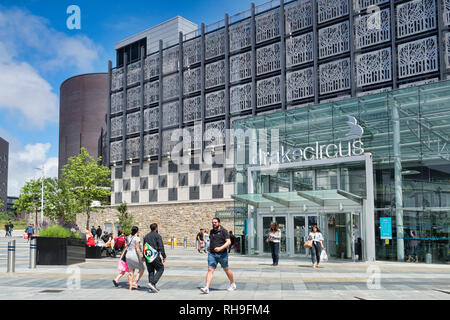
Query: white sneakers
point(232, 287)
point(205, 290)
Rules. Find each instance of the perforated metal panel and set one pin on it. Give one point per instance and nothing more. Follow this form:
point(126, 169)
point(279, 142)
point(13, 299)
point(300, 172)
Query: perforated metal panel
point(239, 35)
point(298, 16)
point(417, 57)
point(267, 25)
point(415, 16)
point(170, 114)
point(334, 40)
point(170, 60)
point(215, 133)
point(300, 84)
point(170, 86)
point(331, 9)
point(133, 98)
point(192, 52)
point(133, 148)
point(240, 66)
point(241, 98)
point(116, 127)
point(117, 102)
point(192, 109)
point(133, 73)
point(133, 122)
point(115, 151)
point(334, 76)
point(364, 4)
point(215, 103)
point(191, 81)
point(214, 44)
point(372, 29)
point(268, 58)
point(215, 74)
point(117, 79)
point(151, 66)
point(151, 118)
point(151, 145)
point(151, 92)
point(268, 91)
point(373, 67)
point(299, 49)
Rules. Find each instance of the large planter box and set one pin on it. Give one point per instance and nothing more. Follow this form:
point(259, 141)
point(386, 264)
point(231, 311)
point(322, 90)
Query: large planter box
point(94, 252)
point(60, 251)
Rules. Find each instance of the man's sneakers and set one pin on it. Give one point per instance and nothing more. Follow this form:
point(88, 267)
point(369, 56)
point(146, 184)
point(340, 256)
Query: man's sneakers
point(232, 287)
point(205, 290)
point(153, 288)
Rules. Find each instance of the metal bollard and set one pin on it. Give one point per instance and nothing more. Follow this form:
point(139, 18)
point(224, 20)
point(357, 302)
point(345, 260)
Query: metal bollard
point(33, 251)
point(11, 256)
point(171, 242)
point(185, 242)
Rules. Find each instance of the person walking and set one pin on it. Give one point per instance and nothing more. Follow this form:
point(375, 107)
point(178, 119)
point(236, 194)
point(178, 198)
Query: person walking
point(218, 244)
point(413, 243)
point(200, 243)
point(123, 268)
point(206, 237)
point(6, 229)
point(135, 257)
point(274, 237)
point(98, 232)
point(11, 228)
point(317, 244)
point(156, 267)
point(29, 231)
point(93, 231)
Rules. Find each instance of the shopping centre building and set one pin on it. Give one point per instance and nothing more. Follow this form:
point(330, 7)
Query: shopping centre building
point(340, 117)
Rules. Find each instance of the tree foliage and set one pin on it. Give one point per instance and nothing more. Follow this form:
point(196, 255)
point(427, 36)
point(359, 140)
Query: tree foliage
point(125, 218)
point(30, 198)
point(60, 203)
point(87, 181)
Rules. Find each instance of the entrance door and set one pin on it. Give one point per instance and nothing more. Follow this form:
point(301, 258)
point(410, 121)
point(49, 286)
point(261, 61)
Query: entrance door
point(281, 222)
point(302, 227)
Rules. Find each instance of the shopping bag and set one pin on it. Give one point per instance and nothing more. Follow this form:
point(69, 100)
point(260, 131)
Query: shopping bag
point(150, 254)
point(308, 244)
point(323, 256)
point(25, 235)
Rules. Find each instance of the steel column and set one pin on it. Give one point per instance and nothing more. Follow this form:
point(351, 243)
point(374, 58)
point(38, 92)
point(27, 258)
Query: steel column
point(253, 58)
point(283, 55)
point(141, 131)
point(160, 77)
point(124, 112)
point(315, 52)
point(227, 81)
point(108, 117)
point(202, 89)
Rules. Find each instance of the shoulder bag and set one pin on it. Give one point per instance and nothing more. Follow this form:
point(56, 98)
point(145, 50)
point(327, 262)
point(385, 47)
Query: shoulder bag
point(124, 254)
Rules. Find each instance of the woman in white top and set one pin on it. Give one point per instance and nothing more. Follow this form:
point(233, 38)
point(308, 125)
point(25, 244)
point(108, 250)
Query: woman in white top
point(274, 237)
point(135, 257)
point(317, 239)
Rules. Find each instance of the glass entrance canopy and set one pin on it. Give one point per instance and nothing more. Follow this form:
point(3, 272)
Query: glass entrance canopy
point(406, 132)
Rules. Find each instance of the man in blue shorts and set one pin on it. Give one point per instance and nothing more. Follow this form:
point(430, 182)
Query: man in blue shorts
point(219, 241)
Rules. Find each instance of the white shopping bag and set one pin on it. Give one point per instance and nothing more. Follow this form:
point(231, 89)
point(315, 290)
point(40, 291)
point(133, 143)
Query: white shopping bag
point(323, 256)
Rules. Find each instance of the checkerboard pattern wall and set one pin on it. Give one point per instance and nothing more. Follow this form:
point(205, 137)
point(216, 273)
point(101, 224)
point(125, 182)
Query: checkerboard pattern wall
point(190, 180)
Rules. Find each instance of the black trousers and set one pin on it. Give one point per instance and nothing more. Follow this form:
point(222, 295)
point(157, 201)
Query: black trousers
point(155, 270)
point(274, 248)
point(316, 249)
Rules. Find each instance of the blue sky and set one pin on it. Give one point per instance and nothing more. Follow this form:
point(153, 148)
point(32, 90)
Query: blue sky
point(38, 52)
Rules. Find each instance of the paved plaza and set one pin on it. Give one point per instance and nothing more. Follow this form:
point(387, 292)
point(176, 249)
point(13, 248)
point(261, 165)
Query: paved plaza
point(256, 279)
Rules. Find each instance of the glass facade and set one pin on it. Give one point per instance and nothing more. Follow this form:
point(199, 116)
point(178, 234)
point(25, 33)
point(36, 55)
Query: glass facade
point(407, 133)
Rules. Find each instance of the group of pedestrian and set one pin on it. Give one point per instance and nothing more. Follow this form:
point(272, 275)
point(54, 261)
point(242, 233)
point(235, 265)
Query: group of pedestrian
point(315, 238)
point(9, 228)
point(136, 253)
point(96, 233)
point(151, 252)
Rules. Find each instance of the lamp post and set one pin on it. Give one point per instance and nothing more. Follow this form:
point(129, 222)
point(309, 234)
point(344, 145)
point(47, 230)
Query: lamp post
point(42, 194)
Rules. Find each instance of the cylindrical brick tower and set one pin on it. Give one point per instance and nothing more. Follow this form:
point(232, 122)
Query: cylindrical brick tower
point(82, 112)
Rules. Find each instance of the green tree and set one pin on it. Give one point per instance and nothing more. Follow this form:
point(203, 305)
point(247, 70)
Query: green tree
point(30, 198)
point(60, 202)
point(1, 205)
point(87, 181)
point(125, 218)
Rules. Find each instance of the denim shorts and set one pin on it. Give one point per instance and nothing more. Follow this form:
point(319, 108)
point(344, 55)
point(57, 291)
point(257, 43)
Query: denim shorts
point(214, 258)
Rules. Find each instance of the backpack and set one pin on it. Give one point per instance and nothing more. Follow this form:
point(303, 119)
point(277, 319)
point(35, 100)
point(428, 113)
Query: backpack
point(150, 254)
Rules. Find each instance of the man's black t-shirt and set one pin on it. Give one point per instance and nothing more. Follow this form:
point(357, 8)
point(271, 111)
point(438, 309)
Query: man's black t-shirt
point(217, 238)
point(200, 236)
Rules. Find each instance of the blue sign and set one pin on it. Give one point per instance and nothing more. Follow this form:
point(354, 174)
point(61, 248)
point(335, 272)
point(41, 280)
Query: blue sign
point(386, 228)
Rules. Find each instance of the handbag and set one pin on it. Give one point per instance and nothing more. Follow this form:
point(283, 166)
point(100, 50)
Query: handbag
point(323, 256)
point(124, 254)
point(150, 254)
point(308, 244)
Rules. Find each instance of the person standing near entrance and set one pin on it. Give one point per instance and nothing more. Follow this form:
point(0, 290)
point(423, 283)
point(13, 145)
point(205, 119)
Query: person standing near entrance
point(218, 244)
point(155, 241)
point(317, 244)
point(274, 237)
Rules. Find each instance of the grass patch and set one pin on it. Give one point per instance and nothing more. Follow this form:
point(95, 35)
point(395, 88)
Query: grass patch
point(18, 224)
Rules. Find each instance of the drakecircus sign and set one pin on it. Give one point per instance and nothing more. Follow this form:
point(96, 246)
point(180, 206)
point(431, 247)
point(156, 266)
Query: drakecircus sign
point(315, 152)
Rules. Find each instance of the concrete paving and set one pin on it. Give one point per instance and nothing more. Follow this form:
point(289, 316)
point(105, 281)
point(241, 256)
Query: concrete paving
point(256, 279)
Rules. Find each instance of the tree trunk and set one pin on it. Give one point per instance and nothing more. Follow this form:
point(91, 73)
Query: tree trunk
point(88, 214)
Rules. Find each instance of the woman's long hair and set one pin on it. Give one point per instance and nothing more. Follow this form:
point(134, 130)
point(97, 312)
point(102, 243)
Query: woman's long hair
point(274, 227)
point(134, 230)
point(315, 226)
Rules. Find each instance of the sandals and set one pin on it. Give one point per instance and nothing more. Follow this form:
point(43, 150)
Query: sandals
point(115, 283)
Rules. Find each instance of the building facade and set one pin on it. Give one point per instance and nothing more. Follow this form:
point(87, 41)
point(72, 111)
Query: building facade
point(169, 109)
point(82, 112)
point(4, 156)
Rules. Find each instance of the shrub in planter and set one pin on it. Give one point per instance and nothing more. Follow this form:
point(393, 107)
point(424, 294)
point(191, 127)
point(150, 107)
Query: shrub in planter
point(57, 245)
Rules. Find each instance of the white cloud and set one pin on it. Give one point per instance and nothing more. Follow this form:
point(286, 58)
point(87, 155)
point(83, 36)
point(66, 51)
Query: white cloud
point(26, 38)
point(23, 162)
